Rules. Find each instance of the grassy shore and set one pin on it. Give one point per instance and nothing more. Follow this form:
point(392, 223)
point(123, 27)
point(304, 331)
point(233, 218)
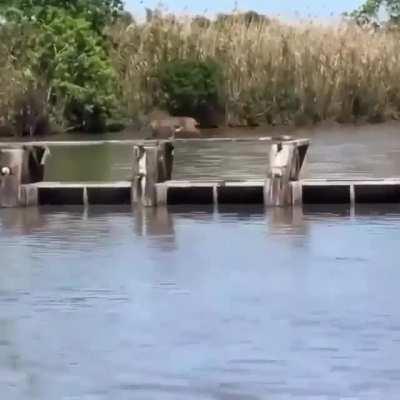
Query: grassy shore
point(273, 73)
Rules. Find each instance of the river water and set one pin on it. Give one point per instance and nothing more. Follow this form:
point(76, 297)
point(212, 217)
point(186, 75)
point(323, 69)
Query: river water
point(358, 152)
point(235, 303)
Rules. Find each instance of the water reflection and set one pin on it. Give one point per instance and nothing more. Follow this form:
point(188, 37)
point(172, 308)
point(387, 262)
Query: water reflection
point(287, 221)
point(240, 212)
point(392, 211)
point(160, 223)
point(156, 223)
point(22, 221)
point(327, 210)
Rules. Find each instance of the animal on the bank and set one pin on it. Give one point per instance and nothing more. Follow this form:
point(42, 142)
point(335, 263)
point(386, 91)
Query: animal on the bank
point(164, 126)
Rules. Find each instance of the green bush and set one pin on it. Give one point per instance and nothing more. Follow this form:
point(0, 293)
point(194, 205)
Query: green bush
point(67, 53)
point(78, 71)
point(189, 87)
point(370, 12)
point(98, 13)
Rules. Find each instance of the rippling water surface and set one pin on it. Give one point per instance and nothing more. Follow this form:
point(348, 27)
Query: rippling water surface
point(336, 152)
point(228, 304)
point(205, 304)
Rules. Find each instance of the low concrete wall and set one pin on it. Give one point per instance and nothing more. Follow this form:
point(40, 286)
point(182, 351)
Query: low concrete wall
point(217, 192)
point(347, 192)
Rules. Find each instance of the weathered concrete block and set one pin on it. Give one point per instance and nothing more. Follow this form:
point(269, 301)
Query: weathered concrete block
point(29, 196)
point(151, 165)
point(286, 162)
point(11, 161)
point(21, 166)
point(33, 168)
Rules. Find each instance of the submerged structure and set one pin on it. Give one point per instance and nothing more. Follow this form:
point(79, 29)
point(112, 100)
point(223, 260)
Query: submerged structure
point(22, 167)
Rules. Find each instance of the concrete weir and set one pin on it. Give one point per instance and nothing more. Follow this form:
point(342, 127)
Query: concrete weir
point(325, 191)
point(22, 169)
point(212, 192)
point(77, 193)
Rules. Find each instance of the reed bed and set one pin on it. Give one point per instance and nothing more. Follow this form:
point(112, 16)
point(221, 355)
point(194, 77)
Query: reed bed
point(273, 72)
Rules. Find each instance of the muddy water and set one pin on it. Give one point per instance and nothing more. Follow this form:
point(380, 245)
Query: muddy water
point(205, 304)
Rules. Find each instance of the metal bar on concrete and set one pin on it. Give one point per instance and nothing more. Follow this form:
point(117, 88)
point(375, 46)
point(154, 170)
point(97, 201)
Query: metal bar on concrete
point(341, 182)
point(151, 142)
point(72, 185)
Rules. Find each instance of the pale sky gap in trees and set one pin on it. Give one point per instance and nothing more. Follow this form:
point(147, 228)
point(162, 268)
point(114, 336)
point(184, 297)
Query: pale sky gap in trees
point(315, 9)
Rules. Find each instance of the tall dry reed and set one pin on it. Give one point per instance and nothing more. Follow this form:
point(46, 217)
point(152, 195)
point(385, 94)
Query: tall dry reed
point(274, 72)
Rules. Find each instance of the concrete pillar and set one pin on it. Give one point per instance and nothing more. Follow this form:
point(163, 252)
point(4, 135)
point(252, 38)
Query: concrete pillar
point(286, 161)
point(11, 164)
point(152, 164)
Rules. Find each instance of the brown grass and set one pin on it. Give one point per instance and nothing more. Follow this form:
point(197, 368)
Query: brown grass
point(274, 72)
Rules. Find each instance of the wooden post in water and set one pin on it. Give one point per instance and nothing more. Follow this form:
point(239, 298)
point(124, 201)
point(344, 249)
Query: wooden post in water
point(286, 161)
point(152, 164)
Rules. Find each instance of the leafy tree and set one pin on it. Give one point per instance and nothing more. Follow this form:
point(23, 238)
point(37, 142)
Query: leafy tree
point(77, 69)
point(69, 54)
point(369, 12)
point(98, 12)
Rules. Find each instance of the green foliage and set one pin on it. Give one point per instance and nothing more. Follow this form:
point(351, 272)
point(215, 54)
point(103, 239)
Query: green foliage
point(98, 13)
point(68, 55)
point(189, 86)
point(369, 12)
point(77, 69)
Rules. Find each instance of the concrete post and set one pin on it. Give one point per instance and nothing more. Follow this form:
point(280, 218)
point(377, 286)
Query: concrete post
point(11, 162)
point(151, 165)
point(286, 161)
point(20, 166)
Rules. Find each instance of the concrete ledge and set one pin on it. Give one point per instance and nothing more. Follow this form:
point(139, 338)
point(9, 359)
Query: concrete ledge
point(241, 195)
point(377, 193)
point(190, 195)
point(335, 194)
point(76, 193)
point(343, 191)
point(316, 191)
point(153, 142)
point(108, 196)
point(61, 196)
point(217, 192)
point(68, 185)
point(340, 182)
